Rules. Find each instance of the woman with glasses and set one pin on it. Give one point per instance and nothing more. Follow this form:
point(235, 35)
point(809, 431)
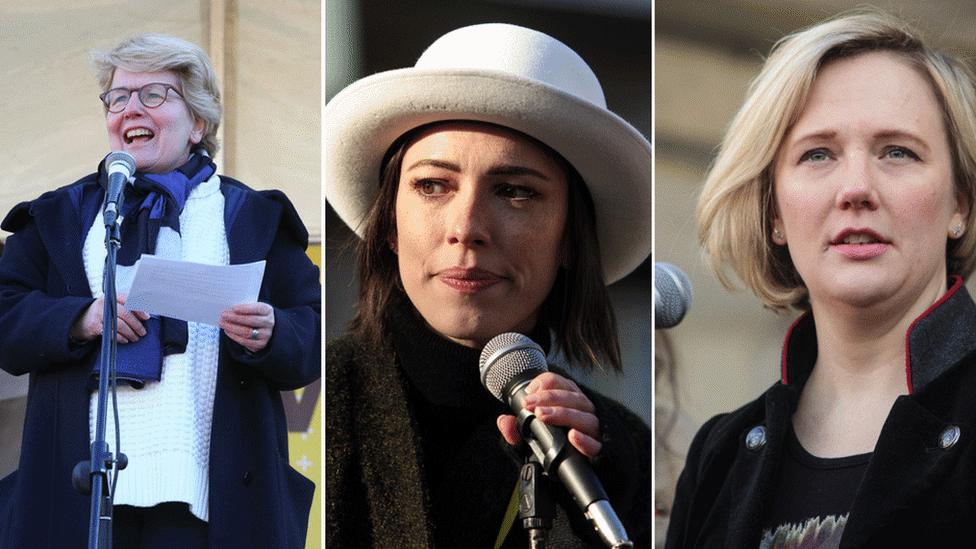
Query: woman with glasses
point(200, 419)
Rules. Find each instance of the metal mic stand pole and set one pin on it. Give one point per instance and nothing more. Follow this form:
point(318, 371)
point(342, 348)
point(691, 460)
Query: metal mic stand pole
point(100, 523)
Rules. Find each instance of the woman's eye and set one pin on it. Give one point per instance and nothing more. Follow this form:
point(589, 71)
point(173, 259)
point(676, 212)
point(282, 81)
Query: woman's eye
point(430, 187)
point(900, 153)
point(516, 192)
point(815, 155)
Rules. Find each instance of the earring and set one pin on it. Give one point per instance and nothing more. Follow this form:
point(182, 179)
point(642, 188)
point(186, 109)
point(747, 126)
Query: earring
point(957, 231)
point(778, 235)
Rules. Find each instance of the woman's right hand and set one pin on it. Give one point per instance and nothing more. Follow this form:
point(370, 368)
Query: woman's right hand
point(89, 324)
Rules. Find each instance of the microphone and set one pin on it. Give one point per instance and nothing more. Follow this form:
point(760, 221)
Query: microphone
point(672, 295)
point(508, 363)
point(120, 166)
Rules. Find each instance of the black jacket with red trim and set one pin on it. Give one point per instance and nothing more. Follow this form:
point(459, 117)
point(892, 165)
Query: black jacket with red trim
point(919, 489)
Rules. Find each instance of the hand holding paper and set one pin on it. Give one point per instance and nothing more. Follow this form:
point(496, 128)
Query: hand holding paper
point(193, 291)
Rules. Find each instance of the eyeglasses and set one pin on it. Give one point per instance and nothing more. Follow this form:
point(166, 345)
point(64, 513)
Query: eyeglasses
point(151, 95)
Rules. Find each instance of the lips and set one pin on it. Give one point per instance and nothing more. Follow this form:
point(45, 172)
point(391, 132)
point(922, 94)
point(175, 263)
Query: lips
point(468, 281)
point(859, 243)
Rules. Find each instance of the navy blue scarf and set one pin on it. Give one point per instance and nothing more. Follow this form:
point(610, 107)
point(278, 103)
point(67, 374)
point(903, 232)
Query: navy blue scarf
point(153, 202)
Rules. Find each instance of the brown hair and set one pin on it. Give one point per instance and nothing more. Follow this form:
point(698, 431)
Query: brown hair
point(577, 307)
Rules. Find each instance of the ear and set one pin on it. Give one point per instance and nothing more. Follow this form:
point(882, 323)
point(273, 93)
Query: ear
point(196, 135)
point(957, 223)
point(392, 243)
point(779, 232)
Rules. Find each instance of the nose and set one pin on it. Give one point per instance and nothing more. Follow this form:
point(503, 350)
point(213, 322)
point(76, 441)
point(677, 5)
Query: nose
point(858, 189)
point(133, 106)
point(469, 222)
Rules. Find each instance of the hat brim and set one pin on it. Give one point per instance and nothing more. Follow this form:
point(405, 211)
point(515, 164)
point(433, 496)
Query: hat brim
point(612, 157)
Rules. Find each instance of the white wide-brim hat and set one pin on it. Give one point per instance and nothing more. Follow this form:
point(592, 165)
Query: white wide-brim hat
point(513, 77)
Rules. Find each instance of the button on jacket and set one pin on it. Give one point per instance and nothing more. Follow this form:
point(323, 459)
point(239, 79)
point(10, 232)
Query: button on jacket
point(919, 489)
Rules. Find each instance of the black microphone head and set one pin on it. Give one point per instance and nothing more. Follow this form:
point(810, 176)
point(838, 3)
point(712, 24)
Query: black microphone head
point(672, 295)
point(120, 162)
point(507, 356)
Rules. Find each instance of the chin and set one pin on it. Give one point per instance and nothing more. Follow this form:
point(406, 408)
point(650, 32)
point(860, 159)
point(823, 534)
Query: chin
point(474, 329)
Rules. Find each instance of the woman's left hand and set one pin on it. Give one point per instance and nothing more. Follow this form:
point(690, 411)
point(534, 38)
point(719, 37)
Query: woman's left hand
point(558, 401)
point(249, 324)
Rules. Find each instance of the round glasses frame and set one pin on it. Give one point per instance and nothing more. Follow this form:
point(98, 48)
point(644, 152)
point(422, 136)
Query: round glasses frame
point(151, 95)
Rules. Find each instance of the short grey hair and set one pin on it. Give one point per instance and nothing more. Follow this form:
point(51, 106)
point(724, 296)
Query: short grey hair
point(157, 53)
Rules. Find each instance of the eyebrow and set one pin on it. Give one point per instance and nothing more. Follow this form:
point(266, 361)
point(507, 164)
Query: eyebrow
point(503, 169)
point(881, 135)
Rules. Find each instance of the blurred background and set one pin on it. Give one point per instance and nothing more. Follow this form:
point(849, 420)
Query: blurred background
point(268, 61)
point(726, 351)
point(613, 37)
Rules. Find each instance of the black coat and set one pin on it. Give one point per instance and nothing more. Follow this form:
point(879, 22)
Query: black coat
point(917, 491)
point(256, 499)
point(378, 493)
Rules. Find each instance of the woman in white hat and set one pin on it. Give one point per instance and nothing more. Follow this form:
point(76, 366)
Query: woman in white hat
point(844, 188)
point(493, 192)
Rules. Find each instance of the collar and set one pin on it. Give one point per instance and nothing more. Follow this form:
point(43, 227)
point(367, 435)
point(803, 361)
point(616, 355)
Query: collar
point(934, 342)
point(443, 372)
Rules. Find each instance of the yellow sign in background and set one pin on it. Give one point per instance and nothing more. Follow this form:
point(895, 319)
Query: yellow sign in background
point(303, 409)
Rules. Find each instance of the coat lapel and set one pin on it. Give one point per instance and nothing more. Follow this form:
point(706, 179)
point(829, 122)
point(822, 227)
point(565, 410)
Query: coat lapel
point(62, 231)
point(914, 462)
point(755, 470)
point(392, 462)
point(251, 222)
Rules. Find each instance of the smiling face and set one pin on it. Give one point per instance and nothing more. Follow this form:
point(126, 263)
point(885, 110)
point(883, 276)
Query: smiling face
point(159, 138)
point(864, 186)
point(480, 217)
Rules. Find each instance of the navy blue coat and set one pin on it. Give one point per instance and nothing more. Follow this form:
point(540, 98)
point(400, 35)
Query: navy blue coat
point(256, 499)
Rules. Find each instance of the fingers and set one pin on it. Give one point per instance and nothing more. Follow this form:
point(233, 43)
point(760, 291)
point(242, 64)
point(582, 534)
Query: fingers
point(249, 325)
point(508, 426)
point(587, 445)
point(558, 401)
point(141, 315)
point(129, 327)
point(251, 309)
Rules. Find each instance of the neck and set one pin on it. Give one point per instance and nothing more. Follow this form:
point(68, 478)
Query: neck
point(860, 371)
point(867, 343)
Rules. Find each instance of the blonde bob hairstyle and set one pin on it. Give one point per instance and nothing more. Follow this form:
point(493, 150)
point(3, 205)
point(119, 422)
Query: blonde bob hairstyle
point(736, 208)
point(159, 52)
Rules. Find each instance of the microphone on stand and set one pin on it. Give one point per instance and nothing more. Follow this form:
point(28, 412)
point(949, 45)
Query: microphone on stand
point(508, 363)
point(672, 295)
point(120, 167)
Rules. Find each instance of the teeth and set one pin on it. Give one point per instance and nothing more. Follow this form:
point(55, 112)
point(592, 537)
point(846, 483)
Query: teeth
point(138, 132)
point(859, 239)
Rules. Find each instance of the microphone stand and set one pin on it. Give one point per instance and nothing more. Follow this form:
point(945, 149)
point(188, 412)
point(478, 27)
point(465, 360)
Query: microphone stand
point(536, 507)
point(100, 520)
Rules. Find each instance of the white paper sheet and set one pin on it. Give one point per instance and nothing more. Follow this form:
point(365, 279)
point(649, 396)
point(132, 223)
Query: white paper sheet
point(192, 291)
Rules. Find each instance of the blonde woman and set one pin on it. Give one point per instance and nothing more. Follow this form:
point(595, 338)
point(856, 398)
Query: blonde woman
point(200, 417)
point(844, 189)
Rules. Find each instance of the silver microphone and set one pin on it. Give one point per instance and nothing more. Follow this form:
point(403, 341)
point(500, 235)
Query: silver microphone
point(508, 363)
point(672, 295)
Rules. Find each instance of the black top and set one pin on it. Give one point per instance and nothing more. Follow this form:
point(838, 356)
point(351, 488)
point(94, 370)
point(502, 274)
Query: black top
point(811, 498)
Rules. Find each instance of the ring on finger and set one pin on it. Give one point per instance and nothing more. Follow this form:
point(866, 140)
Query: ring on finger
point(254, 333)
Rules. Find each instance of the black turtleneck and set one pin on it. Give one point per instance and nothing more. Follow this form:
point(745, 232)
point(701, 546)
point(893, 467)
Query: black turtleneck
point(470, 471)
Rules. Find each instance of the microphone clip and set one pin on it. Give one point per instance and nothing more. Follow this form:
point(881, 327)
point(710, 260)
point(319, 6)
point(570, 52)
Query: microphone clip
point(536, 506)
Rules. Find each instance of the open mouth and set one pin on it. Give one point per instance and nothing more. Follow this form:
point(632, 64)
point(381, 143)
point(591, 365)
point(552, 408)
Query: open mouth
point(860, 239)
point(141, 134)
